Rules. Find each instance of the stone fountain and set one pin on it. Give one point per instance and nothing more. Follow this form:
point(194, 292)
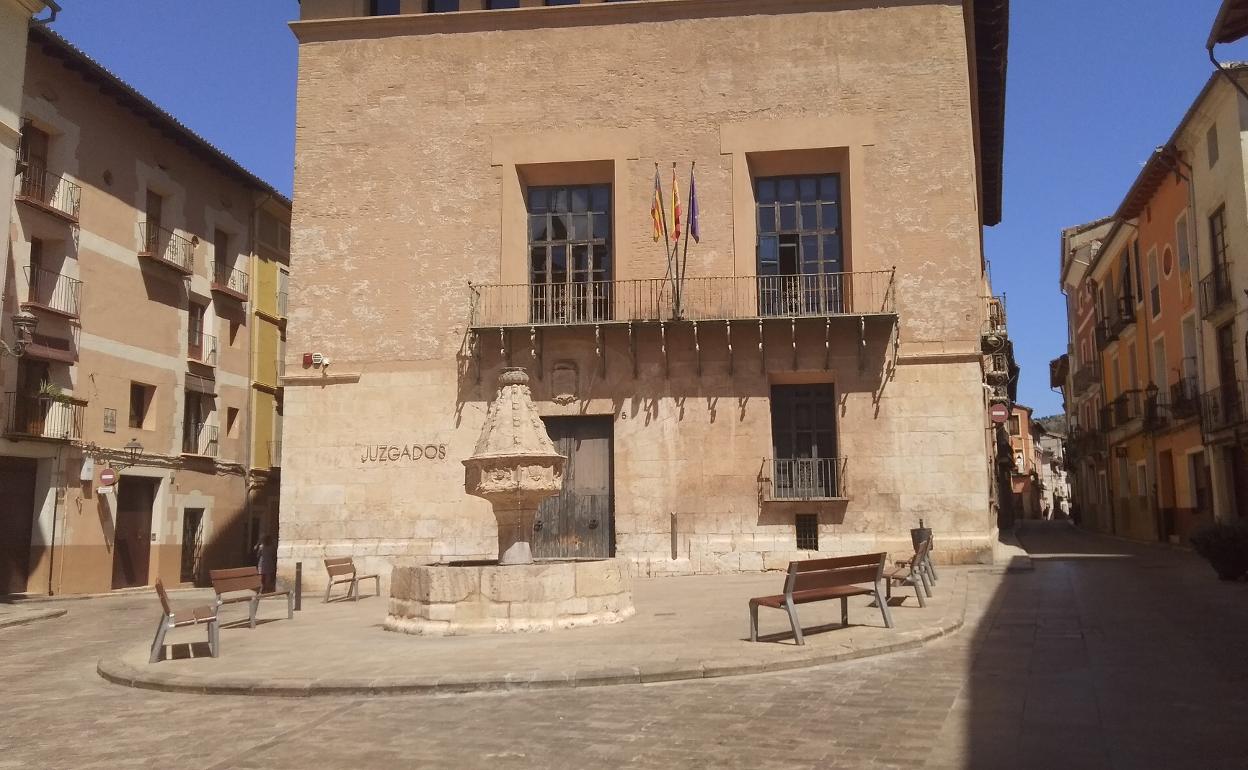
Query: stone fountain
point(515, 467)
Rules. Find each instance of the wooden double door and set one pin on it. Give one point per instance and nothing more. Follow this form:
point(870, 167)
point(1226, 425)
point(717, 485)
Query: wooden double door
point(579, 522)
point(132, 544)
point(17, 515)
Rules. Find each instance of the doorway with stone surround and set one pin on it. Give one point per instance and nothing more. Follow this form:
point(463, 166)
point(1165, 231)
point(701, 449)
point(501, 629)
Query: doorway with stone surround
point(579, 522)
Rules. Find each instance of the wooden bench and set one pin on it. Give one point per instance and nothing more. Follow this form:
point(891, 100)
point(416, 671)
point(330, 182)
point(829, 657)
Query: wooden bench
point(248, 580)
point(912, 570)
point(170, 620)
point(815, 580)
point(342, 570)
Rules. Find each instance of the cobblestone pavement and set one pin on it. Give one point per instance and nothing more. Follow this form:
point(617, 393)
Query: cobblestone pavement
point(1108, 655)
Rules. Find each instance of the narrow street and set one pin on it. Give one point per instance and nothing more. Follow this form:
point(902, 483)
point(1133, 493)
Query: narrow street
point(1108, 654)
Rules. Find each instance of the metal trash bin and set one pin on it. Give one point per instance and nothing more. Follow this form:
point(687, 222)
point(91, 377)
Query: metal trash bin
point(919, 534)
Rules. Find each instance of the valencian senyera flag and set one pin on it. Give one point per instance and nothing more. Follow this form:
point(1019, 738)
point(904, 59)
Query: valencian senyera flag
point(694, 230)
point(656, 207)
point(675, 207)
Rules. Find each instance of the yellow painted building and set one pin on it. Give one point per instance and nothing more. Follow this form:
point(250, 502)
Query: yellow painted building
point(270, 270)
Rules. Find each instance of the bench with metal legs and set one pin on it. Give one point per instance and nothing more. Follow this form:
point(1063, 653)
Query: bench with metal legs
point(821, 579)
point(171, 620)
point(248, 579)
point(342, 570)
point(913, 571)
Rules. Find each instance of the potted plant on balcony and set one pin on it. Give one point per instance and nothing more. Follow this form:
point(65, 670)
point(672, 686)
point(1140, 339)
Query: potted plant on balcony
point(1224, 546)
point(50, 391)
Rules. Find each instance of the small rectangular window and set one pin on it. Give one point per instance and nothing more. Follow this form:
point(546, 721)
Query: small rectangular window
point(563, 2)
point(1180, 242)
point(494, 5)
point(140, 403)
point(1015, 425)
point(1154, 285)
point(231, 421)
point(1211, 144)
point(383, 7)
point(221, 248)
point(807, 526)
point(441, 6)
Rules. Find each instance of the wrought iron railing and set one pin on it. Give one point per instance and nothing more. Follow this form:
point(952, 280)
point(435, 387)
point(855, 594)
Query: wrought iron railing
point(201, 348)
point(1215, 289)
point(994, 314)
point(1086, 377)
point(56, 192)
point(36, 416)
point(1124, 410)
point(54, 291)
point(698, 299)
point(1125, 316)
point(1084, 442)
point(807, 478)
point(1184, 400)
point(1156, 411)
point(167, 246)
point(1223, 407)
point(199, 439)
point(230, 279)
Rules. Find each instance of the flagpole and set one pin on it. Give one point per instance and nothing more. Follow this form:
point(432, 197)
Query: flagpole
point(684, 258)
point(667, 240)
point(677, 282)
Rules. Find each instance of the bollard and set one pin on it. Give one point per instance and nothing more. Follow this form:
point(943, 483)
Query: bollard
point(298, 586)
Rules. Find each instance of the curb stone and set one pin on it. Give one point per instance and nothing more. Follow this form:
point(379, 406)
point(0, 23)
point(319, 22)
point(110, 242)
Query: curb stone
point(120, 672)
point(33, 616)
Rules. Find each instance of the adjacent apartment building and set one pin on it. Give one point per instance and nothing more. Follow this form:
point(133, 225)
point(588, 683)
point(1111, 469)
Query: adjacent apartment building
point(1159, 418)
point(474, 187)
point(138, 419)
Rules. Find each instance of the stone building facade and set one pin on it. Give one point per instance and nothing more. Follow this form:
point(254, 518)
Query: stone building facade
point(130, 244)
point(473, 191)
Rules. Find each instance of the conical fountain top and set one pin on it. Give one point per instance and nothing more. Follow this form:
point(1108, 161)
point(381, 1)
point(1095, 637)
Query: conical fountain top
point(512, 426)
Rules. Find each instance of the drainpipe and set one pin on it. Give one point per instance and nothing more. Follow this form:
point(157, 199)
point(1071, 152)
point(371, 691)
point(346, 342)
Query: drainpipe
point(52, 565)
point(1226, 72)
point(53, 8)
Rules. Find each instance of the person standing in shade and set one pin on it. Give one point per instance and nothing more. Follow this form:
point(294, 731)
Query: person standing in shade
point(266, 562)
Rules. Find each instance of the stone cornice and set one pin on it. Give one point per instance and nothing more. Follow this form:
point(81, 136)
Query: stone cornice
point(345, 378)
point(546, 17)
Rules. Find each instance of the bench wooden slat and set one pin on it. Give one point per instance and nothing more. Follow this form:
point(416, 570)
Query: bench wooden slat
point(227, 585)
point(808, 581)
point(835, 562)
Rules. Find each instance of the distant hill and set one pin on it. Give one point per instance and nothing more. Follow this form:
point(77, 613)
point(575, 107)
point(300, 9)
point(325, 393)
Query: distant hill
point(1055, 423)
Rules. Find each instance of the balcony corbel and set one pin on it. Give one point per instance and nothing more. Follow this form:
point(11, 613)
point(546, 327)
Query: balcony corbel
point(697, 347)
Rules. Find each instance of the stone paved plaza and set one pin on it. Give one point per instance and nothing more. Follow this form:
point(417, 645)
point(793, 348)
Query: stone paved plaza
point(1107, 655)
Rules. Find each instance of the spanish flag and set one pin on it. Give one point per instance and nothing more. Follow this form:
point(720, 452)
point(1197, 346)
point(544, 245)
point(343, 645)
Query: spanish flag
point(675, 207)
point(656, 207)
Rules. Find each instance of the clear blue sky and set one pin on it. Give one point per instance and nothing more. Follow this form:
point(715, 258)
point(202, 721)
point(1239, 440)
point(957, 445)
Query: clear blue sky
point(1094, 86)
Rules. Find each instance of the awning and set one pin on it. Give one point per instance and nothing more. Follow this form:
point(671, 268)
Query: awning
point(41, 352)
point(202, 385)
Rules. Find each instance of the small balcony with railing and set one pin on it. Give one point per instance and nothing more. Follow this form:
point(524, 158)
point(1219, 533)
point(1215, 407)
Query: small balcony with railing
point(1156, 414)
point(1088, 376)
point(1125, 413)
point(1223, 407)
point(36, 416)
point(230, 281)
point(48, 192)
point(199, 440)
point(804, 479)
point(1184, 399)
point(166, 248)
point(201, 348)
point(48, 291)
point(725, 298)
point(1215, 291)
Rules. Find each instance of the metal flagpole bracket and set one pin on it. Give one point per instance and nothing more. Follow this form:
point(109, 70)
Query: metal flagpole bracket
point(728, 331)
point(600, 350)
point(697, 347)
point(762, 352)
point(793, 338)
point(667, 364)
point(535, 350)
point(862, 344)
point(827, 343)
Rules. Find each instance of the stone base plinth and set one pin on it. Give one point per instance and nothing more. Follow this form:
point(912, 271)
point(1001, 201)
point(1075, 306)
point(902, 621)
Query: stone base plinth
point(444, 600)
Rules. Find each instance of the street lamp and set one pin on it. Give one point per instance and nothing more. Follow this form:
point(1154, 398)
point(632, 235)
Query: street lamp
point(24, 324)
point(134, 450)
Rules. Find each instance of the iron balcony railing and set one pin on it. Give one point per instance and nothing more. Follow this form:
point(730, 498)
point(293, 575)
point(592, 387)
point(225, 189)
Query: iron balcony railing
point(1124, 410)
point(49, 190)
point(1086, 377)
point(1124, 317)
point(199, 439)
point(1085, 442)
point(34, 416)
point(230, 279)
point(1215, 290)
point(53, 291)
point(275, 454)
point(1156, 411)
point(167, 247)
point(1223, 407)
point(201, 348)
point(1184, 400)
point(807, 478)
point(699, 299)
point(994, 315)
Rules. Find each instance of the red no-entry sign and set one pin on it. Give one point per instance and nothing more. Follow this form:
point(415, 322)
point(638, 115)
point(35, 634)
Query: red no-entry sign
point(108, 477)
point(998, 413)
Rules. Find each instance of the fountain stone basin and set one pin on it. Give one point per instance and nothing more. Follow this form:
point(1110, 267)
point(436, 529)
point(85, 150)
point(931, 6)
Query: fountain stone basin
point(487, 598)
